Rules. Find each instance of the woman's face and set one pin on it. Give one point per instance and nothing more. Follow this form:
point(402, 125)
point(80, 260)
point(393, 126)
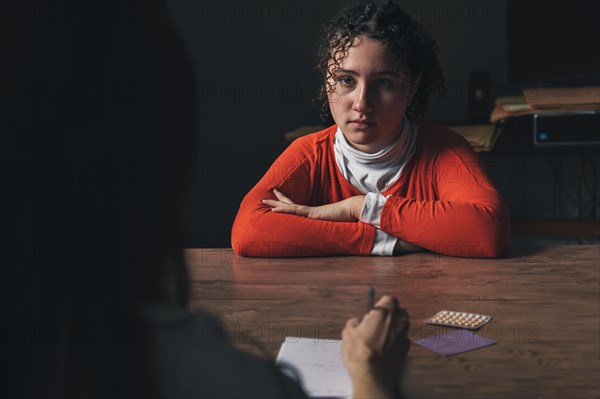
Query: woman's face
point(369, 98)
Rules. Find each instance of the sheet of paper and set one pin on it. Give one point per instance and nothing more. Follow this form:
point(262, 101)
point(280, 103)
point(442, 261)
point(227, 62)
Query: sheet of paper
point(319, 364)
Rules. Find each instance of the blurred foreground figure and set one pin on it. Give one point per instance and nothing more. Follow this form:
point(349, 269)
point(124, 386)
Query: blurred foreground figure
point(98, 118)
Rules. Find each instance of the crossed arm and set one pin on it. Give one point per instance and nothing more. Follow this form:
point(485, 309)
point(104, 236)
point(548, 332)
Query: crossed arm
point(288, 231)
point(347, 210)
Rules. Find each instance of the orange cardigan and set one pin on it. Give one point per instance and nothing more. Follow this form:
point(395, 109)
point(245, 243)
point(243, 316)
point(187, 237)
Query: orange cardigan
point(443, 202)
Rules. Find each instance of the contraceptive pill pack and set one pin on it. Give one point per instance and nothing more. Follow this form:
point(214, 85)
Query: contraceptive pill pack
point(471, 321)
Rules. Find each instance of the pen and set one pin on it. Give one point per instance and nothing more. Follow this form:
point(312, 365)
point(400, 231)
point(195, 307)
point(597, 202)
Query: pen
point(370, 298)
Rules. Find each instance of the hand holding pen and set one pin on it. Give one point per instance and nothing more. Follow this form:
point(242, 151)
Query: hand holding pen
point(374, 348)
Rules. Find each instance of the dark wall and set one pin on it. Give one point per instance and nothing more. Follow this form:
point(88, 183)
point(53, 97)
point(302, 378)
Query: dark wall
point(255, 80)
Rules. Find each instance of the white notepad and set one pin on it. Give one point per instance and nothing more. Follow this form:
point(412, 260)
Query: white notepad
point(319, 365)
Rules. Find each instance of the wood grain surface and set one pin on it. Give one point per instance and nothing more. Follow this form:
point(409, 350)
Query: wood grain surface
point(545, 303)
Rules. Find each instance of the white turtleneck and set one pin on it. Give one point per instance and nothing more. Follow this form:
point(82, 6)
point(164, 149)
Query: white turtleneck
point(373, 173)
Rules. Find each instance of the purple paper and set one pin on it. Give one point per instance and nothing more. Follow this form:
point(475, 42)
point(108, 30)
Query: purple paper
point(455, 341)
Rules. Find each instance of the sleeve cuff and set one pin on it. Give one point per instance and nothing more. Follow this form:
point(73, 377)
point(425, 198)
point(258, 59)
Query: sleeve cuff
point(383, 244)
point(372, 208)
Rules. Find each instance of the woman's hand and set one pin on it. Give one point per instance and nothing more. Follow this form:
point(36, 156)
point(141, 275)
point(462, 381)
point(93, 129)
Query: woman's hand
point(374, 349)
point(347, 210)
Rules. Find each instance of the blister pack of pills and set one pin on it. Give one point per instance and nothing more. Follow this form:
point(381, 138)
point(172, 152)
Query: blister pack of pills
point(471, 321)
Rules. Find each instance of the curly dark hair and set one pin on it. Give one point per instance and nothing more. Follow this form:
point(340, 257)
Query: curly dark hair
point(407, 41)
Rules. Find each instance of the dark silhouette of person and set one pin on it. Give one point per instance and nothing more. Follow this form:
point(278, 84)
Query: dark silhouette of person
point(97, 115)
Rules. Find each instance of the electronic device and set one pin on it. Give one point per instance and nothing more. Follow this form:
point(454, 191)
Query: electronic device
point(573, 131)
point(566, 128)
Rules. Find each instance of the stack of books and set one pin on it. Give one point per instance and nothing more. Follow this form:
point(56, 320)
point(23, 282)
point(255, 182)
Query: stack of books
point(539, 100)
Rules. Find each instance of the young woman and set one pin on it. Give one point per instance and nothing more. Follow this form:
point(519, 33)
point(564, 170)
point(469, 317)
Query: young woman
point(379, 181)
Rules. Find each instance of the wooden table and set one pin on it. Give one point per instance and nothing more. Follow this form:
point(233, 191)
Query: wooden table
point(545, 303)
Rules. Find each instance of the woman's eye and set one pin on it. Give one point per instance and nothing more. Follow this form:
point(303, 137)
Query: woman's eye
point(385, 83)
point(346, 81)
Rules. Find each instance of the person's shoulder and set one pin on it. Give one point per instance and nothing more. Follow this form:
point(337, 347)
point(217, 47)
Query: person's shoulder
point(194, 358)
point(315, 140)
point(309, 148)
